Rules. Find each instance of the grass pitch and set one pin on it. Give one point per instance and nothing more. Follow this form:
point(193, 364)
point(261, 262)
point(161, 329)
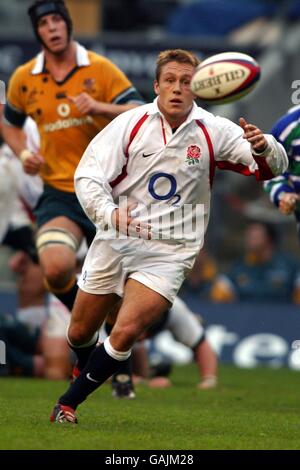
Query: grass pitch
point(251, 409)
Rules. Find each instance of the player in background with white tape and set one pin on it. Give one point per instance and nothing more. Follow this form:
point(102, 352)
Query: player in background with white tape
point(36, 308)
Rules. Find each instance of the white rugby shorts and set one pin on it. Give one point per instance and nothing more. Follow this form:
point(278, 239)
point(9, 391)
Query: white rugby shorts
point(160, 266)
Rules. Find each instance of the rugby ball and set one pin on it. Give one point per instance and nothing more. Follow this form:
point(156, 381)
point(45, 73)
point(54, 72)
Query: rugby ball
point(225, 77)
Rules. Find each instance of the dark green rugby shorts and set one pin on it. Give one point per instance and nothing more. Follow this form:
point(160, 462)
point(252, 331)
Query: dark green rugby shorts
point(55, 203)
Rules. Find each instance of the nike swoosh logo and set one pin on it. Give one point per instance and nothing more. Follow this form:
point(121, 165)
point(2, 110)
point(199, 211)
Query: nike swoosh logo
point(88, 376)
point(145, 155)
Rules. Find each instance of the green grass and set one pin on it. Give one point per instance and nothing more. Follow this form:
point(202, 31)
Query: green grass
point(251, 409)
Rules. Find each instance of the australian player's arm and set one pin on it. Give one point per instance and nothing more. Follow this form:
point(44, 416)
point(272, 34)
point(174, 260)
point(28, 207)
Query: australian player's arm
point(112, 110)
point(119, 93)
point(101, 163)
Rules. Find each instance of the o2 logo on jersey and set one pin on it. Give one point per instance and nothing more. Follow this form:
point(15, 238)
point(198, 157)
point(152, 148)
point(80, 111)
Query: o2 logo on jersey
point(171, 197)
point(63, 110)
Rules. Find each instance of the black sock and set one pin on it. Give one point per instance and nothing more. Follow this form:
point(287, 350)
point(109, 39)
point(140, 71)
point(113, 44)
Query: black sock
point(83, 353)
point(98, 369)
point(126, 366)
point(68, 298)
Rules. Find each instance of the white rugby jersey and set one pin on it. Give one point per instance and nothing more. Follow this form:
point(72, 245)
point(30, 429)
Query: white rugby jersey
point(168, 174)
point(30, 187)
point(19, 191)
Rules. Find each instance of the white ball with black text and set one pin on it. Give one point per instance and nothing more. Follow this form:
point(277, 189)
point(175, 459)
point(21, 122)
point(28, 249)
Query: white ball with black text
point(225, 77)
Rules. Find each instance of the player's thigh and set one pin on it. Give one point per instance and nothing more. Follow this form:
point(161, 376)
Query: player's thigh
point(89, 312)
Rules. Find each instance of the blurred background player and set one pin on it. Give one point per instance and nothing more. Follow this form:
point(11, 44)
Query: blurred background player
point(203, 274)
point(262, 274)
point(284, 190)
point(71, 93)
point(19, 193)
point(36, 334)
point(186, 328)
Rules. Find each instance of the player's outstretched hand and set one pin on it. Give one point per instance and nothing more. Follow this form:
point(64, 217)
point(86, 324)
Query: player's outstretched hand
point(254, 136)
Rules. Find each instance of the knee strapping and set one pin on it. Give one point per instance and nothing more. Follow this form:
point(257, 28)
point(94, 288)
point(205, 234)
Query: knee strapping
point(56, 236)
point(62, 290)
point(91, 342)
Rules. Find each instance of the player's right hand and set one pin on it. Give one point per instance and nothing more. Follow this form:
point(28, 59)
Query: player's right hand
point(33, 164)
point(287, 202)
point(125, 223)
point(85, 103)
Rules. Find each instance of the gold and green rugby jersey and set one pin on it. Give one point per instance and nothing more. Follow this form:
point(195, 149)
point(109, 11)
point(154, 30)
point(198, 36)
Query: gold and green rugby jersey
point(64, 132)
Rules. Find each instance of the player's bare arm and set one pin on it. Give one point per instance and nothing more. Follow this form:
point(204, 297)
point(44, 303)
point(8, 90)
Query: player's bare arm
point(88, 105)
point(254, 136)
point(16, 139)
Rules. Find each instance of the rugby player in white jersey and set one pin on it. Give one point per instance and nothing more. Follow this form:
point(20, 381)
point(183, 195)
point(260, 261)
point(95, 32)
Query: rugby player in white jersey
point(161, 157)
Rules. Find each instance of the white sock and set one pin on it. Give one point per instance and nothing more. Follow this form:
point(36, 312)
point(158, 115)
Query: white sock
point(118, 355)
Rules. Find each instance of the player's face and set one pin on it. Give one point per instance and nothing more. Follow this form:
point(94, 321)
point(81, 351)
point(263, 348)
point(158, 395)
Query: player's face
point(175, 98)
point(256, 238)
point(53, 32)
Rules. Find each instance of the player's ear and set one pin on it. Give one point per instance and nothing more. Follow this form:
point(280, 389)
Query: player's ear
point(156, 87)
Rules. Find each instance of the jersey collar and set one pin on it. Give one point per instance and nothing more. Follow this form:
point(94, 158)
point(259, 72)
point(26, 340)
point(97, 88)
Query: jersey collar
point(196, 112)
point(82, 59)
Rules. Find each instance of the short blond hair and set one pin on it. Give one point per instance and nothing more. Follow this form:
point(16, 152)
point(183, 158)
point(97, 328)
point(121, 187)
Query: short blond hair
point(175, 55)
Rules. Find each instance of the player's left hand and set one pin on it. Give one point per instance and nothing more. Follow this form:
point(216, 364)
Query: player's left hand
point(254, 136)
point(84, 103)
